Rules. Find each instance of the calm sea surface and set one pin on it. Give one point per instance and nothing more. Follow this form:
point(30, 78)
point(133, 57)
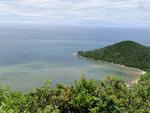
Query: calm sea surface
point(31, 54)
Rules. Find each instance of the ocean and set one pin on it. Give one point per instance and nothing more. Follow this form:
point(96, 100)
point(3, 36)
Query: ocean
point(32, 54)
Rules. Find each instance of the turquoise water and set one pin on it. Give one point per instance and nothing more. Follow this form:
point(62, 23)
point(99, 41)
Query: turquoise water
point(29, 55)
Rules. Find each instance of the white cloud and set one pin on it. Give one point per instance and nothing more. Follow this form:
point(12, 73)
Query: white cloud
point(77, 11)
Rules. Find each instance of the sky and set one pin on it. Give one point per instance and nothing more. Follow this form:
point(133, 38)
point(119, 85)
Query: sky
point(82, 12)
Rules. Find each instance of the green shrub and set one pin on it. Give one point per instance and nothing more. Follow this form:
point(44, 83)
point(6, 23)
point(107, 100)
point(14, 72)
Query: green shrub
point(110, 95)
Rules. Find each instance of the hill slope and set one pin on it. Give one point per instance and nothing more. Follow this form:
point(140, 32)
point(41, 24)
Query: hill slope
point(127, 53)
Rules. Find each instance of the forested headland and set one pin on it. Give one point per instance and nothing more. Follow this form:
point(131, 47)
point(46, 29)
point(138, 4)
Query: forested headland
point(127, 53)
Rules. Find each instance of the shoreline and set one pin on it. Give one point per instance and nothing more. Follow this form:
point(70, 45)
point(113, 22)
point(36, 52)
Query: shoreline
point(137, 70)
point(136, 80)
point(128, 83)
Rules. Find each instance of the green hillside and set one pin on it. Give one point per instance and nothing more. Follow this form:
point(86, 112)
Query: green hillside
point(127, 53)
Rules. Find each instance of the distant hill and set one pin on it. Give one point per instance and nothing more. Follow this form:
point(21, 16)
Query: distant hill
point(127, 53)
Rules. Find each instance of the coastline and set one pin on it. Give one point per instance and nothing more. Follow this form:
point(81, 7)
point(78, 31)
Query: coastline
point(75, 53)
point(137, 70)
point(136, 80)
point(128, 83)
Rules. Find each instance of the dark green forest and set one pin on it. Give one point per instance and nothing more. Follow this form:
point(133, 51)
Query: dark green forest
point(127, 53)
point(110, 95)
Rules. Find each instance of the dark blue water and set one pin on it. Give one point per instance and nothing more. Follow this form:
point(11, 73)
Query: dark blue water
point(31, 54)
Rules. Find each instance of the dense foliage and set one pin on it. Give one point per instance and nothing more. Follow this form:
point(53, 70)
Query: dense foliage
point(128, 53)
point(110, 95)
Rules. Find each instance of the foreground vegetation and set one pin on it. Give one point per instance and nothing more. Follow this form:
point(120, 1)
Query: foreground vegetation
point(127, 53)
point(110, 95)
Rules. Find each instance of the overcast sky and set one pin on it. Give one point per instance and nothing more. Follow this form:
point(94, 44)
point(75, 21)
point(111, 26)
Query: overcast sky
point(88, 12)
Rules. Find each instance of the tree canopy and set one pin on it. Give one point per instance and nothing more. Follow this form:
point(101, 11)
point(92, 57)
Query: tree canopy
point(127, 53)
point(110, 95)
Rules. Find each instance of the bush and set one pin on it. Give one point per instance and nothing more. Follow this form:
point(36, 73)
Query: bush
point(110, 95)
